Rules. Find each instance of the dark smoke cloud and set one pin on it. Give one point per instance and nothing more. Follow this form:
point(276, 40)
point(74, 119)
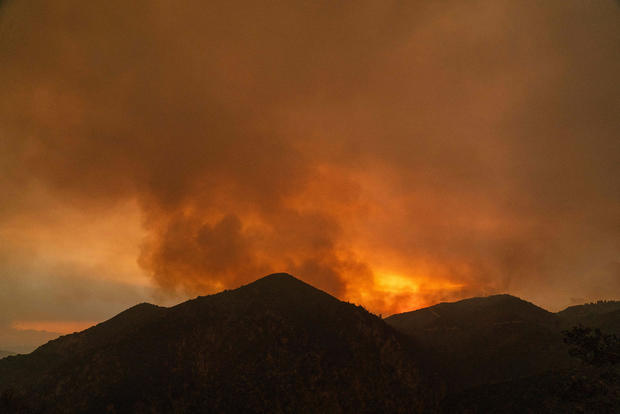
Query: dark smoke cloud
point(470, 148)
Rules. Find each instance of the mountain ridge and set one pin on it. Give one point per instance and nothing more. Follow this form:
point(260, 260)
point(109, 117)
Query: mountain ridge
point(486, 339)
point(277, 344)
point(4, 354)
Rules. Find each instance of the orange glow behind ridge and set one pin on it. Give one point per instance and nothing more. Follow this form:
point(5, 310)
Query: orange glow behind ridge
point(61, 327)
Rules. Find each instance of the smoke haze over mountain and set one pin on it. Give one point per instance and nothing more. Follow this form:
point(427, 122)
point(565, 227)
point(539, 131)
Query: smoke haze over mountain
point(392, 153)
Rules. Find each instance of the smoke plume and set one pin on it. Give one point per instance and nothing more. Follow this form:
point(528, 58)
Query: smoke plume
point(392, 153)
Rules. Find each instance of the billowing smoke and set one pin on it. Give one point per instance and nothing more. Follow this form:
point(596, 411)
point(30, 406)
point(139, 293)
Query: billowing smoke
point(392, 153)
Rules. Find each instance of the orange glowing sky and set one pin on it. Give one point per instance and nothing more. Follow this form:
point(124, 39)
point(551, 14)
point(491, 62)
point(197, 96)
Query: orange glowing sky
point(395, 154)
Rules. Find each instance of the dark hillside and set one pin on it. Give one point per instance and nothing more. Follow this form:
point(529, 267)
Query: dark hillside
point(602, 314)
point(275, 345)
point(502, 354)
point(486, 340)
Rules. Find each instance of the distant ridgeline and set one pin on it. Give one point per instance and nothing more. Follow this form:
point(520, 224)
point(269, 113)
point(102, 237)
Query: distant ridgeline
point(6, 353)
point(280, 345)
point(604, 314)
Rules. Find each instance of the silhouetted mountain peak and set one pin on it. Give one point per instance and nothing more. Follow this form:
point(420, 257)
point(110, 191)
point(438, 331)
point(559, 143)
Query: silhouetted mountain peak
point(483, 339)
point(279, 282)
point(276, 344)
point(278, 292)
point(135, 312)
point(282, 282)
point(489, 301)
point(467, 313)
point(280, 277)
point(279, 344)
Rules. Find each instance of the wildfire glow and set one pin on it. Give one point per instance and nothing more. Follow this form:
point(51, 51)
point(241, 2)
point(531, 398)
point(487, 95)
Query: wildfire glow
point(395, 283)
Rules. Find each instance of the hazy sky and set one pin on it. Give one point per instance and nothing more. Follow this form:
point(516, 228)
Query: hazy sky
point(392, 153)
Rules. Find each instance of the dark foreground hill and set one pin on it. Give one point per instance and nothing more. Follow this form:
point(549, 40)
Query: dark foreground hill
point(275, 345)
point(505, 355)
point(486, 340)
point(280, 345)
